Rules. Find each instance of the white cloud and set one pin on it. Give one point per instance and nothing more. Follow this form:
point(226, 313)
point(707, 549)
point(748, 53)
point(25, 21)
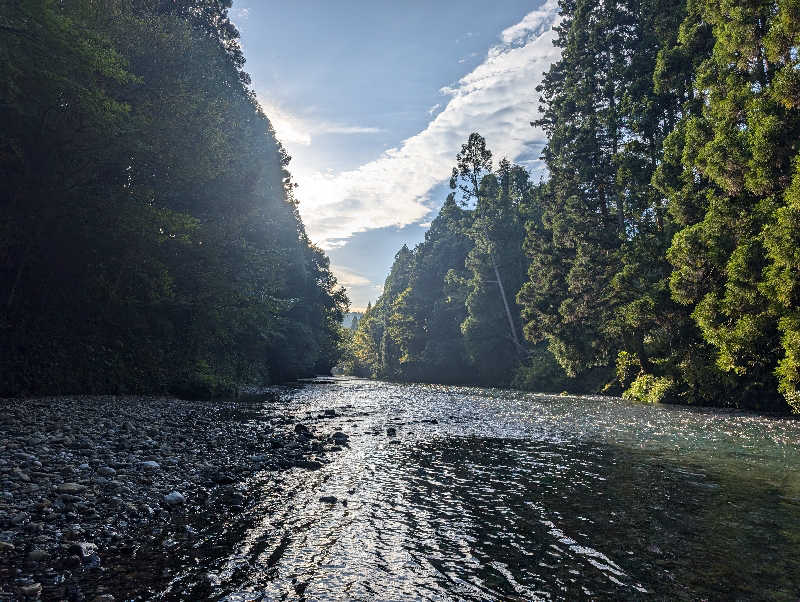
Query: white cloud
point(347, 129)
point(292, 129)
point(434, 108)
point(289, 128)
point(498, 99)
point(348, 277)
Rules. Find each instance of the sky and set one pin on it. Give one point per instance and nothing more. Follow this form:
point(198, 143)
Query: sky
point(373, 101)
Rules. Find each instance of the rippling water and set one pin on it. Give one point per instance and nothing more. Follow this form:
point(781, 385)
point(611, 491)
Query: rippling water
point(489, 494)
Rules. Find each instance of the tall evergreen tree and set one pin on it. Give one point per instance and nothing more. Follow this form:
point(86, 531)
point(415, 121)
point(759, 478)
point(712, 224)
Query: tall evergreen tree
point(498, 267)
point(732, 192)
point(597, 282)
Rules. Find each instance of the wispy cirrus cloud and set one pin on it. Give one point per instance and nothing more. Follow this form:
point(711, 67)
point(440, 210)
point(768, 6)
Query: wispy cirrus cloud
point(293, 129)
point(348, 277)
point(498, 99)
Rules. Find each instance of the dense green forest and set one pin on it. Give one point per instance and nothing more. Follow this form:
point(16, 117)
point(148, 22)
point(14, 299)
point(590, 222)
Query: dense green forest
point(150, 239)
point(660, 257)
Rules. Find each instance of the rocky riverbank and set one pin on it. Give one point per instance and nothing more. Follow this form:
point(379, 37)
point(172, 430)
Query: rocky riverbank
point(89, 481)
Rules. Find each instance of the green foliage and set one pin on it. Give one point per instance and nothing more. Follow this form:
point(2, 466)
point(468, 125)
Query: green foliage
point(728, 172)
point(628, 368)
point(650, 389)
point(442, 316)
point(149, 240)
point(541, 372)
point(665, 244)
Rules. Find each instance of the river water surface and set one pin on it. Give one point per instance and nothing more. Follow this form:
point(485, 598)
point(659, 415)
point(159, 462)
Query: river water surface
point(493, 494)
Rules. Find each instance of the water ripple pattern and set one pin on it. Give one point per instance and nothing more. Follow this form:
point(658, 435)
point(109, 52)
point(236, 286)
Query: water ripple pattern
point(491, 494)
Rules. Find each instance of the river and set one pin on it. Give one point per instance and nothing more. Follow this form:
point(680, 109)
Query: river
point(494, 494)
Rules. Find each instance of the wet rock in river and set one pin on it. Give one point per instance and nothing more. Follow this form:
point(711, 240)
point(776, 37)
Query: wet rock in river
point(340, 438)
point(328, 499)
point(149, 465)
point(391, 431)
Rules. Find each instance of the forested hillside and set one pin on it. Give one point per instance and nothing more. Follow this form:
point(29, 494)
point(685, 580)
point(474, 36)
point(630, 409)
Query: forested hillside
point(659, 257)
point(149, 240)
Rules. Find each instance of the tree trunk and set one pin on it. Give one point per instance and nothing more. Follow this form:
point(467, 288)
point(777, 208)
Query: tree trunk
point(505, 304)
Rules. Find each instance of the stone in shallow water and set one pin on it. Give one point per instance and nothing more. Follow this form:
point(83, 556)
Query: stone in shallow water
point(328, 499)
point(38, 555)
point(149, 465)
point(106, 471)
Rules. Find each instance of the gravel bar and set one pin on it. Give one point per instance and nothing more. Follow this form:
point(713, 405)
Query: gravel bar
point(87, 481)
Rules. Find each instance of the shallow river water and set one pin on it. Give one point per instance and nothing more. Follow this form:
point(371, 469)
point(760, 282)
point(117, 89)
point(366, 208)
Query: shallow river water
point(493, 494)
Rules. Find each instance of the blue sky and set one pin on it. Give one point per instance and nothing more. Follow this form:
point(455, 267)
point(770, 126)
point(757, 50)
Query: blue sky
point(373, 101)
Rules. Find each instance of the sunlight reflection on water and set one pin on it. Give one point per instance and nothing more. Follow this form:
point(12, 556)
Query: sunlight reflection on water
point(494, 494)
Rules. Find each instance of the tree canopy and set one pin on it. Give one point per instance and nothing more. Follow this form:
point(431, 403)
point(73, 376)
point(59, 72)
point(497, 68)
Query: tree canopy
point(661, 251)
point(151, 240)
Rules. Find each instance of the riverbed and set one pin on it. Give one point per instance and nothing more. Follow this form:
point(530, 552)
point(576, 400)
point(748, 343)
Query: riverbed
point(460, 493)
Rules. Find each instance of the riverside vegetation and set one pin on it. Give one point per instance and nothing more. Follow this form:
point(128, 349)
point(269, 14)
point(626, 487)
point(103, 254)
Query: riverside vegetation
point(150, 240)
point(659, 259)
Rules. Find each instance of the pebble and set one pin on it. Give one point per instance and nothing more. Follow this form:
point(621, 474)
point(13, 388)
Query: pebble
point(38, 555)
point(82, 549)
point(34, 589)
point(70, 488)
point(174, 499)
point(20, 519)
point(149, 465)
